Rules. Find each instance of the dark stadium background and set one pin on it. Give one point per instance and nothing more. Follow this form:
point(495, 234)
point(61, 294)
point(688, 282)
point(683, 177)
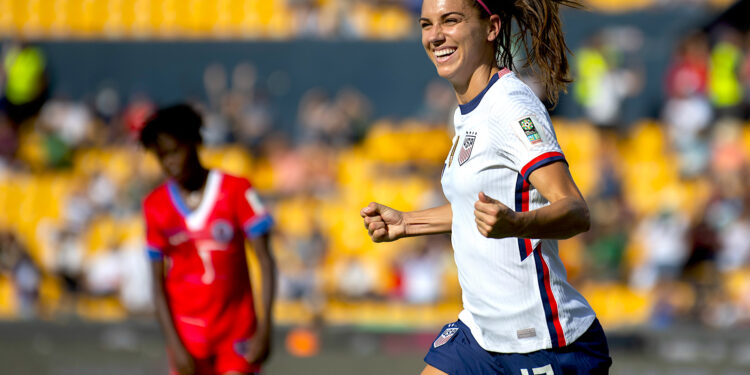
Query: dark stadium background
point(327, 105)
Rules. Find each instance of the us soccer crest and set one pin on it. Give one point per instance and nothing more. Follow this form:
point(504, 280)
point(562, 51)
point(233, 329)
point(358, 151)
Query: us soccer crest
point(445, 336)
point(466, 148)
point(528, 128)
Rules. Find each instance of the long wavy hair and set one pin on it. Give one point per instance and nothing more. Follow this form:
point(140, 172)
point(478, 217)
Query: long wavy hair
point(541, 35)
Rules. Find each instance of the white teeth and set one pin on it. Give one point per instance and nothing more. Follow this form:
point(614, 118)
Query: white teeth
point(444, 52)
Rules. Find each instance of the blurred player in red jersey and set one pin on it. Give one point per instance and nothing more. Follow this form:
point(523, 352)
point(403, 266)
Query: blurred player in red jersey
point(196, 226)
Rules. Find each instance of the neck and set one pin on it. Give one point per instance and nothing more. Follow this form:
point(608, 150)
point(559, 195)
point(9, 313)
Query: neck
point(195, 179)
point(478, 80)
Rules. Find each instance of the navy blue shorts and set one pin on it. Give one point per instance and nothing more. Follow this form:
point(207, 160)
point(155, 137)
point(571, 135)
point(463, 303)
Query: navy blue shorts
point(456, 352)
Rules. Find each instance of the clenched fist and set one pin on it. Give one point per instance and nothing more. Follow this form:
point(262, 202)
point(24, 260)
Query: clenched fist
point(383, 223)
point(494, 219)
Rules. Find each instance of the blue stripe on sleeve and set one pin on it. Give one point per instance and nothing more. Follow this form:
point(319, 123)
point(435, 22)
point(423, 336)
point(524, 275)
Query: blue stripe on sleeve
point(154, 253)
point(259, 226)
point(542, 163)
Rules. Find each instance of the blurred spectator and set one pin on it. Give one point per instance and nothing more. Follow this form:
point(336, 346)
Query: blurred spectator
point(611, 219)
point(734, 247)
point(248, 108)
point(102, 192)
point(688, 112)
point(608, 239)
point(69, 121)
point(331, 121)
point(102, 273)
point(300, 269)
point(673, 301)
point(608, 70)
point(25, 81)
point(597, 88)
point(8, 142)
point(354, 280)
point(216, 129)
point(439, 103)
point(135, 114)
point(745, 75)
point(422, 271)
point(356, 109)
point(307, 18)
point(78, 211)
point(719, 311)
point(121, 271)
point(68, 266)
point(664, 240)
point(728, 152)
point(287, 163)
point(688, 72)
point(107, 103)
point(724, 82)
point(135, 281)
point(26, 276)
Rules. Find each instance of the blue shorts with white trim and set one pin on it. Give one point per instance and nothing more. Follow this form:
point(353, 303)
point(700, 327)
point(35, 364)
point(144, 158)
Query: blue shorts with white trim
point(456, 352)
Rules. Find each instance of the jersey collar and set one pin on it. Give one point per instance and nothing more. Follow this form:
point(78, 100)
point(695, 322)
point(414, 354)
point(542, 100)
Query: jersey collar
point(198, 217)
point(470, 106)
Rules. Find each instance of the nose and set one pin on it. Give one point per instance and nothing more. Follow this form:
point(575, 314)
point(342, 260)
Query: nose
point(436, 36)
point(171, 163)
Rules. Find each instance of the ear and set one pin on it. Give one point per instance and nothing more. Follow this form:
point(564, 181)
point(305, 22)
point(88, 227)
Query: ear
point(493, 31)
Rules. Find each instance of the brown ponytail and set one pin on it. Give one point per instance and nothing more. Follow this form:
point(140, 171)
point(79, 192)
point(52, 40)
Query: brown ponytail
point(540, 32)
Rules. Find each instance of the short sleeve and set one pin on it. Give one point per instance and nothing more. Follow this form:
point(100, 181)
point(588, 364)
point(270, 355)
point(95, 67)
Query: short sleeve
point(251, 213)
point(527, 139)
point(156, 242)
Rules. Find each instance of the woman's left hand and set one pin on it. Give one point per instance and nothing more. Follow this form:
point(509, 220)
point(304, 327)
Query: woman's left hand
point(494, 219)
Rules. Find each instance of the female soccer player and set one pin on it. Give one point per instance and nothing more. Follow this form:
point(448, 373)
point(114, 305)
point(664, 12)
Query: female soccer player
point(511, 196)
point(197, 223)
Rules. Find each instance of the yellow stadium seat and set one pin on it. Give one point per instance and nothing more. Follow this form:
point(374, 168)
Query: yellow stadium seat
point(7, 17)
point(101, 235)
point(392, 22)
point(8, 302)
point(617, 305)
point(50, 293)
point(107, 309)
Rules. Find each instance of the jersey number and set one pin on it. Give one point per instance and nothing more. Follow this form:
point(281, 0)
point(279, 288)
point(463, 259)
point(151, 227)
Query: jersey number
point(545, 370)
point(204, 252)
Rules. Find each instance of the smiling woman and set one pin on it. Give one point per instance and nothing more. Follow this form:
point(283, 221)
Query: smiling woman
point(484, 30)
point(510, 196)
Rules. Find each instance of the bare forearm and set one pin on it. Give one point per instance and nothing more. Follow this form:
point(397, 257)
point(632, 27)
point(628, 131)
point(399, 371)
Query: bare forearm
point(268, 280)
point(163, 312)
point(269, 290)
point(164, 316)
point(562, 219)
point(430, 221)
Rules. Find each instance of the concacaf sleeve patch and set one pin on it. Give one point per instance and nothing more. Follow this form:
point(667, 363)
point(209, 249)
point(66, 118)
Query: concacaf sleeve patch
point(527, 125)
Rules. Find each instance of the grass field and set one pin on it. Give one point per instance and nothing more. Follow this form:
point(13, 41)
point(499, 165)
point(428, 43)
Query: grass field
point(136, 348)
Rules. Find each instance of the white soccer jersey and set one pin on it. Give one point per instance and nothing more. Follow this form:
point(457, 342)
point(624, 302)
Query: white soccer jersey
point(516, 297)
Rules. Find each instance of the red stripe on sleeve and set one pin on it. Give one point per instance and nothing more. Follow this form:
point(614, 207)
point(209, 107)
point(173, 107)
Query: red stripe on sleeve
point(538, 159)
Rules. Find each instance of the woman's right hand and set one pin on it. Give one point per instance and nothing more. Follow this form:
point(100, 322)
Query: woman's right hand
point(383, 223)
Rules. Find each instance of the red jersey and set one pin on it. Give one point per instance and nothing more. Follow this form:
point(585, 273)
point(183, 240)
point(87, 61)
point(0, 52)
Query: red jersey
point(207, 281)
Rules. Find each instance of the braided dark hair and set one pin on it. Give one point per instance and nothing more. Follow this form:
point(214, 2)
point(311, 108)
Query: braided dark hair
point(180, 121)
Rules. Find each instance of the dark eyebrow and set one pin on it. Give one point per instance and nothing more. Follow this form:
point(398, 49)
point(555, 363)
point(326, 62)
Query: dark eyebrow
point(444, 16)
